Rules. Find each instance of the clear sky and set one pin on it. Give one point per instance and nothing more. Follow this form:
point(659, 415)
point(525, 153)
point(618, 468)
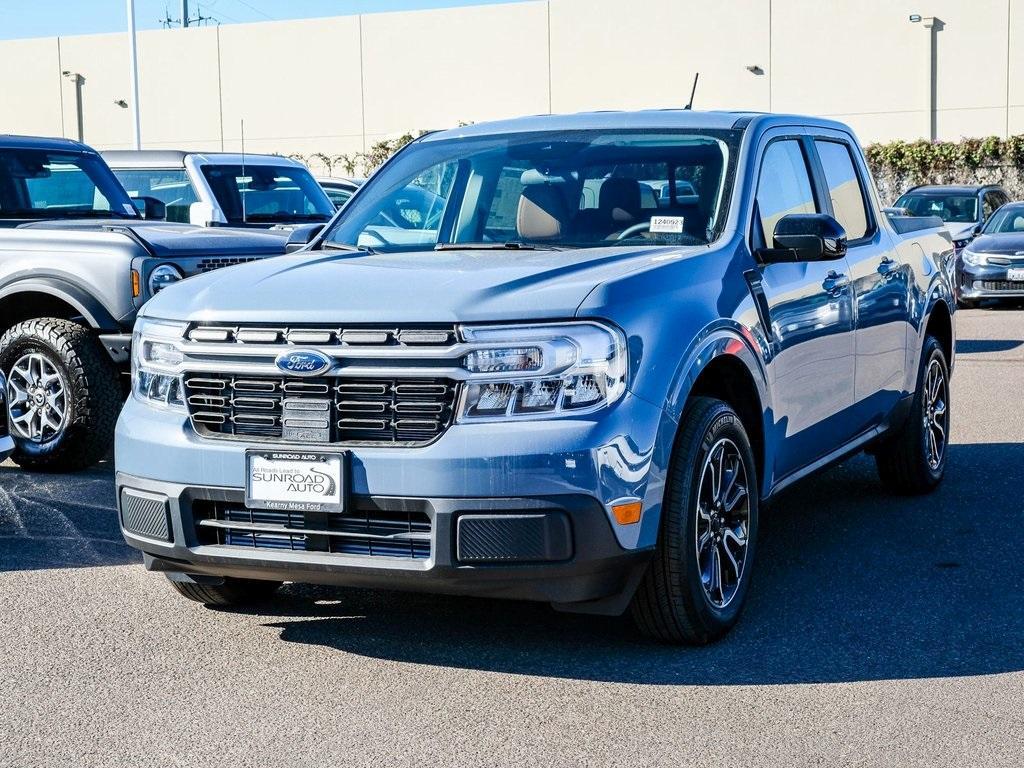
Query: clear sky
point(45, 18)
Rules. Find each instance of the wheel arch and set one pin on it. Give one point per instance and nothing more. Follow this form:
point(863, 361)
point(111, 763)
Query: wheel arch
point(939, 323)
point(51, 297)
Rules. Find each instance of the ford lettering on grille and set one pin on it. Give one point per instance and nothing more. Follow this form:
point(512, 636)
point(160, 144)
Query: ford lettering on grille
point(303, 362)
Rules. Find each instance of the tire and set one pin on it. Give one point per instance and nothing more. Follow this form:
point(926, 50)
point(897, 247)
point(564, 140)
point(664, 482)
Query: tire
point(231, 592)
point(906, 461)
point(90, 402)
point(673, 603)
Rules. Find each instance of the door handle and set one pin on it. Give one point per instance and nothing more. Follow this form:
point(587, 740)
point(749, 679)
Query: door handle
point(835, 283)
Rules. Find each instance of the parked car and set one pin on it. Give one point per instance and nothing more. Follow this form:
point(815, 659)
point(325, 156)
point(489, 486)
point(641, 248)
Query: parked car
point(537, 399)
point(221, 189)
point(339, 190)
point(76, 263)
point(964, 208)
point(992, 265)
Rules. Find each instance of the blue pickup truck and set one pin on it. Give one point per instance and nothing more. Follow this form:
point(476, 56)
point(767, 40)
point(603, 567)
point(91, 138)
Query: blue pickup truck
point(508, 368)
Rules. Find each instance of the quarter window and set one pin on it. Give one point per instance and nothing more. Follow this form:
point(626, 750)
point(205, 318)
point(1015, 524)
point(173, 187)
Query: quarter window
point(784, 186)
point(844, 187)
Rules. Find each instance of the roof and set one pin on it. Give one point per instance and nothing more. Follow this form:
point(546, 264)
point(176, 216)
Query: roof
point(175, 158)
point(953, 189)
point(10, 141)
point(643, 119)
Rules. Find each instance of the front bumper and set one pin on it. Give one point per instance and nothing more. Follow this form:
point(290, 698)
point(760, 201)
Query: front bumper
point(563, 474)
point(986, 281)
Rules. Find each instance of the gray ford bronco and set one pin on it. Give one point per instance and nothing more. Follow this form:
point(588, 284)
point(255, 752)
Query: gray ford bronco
point(77, 261)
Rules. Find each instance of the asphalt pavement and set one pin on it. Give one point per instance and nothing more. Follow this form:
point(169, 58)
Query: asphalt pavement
point(880, 631)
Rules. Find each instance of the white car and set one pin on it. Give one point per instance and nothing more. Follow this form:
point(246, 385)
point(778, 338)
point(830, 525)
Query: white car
point(222, 189)
point(339, 189)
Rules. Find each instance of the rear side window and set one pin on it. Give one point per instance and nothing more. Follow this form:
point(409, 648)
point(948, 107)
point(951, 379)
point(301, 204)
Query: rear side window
point(844, 187)
point(784, 186)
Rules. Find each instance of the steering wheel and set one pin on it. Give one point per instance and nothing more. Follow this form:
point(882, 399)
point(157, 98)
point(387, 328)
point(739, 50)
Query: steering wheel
point(643, 226)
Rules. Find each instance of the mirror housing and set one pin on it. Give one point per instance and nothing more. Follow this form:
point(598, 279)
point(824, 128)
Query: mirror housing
point(977, 229)
point(806, 237)
point(302, 236)
point(203, 215)
point(150, 208)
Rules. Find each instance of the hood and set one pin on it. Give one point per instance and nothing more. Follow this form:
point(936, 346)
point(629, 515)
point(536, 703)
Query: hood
point(959, 230)
point(1005, 243)
point(166, 240)
point(430, 286)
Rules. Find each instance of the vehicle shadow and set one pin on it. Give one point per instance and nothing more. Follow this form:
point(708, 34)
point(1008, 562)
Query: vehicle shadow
point(60, 520)
point(851, 585)
point(975, 346)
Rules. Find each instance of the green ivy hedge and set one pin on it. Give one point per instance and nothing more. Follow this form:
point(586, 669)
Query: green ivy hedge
point(924, 157)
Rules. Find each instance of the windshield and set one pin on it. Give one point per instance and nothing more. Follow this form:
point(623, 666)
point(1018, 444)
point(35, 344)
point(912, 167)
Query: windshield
point(1007, 220)
point(258, 194)
point(577, 189)
point(44, 184)
point(958, 209)
point(169, 185)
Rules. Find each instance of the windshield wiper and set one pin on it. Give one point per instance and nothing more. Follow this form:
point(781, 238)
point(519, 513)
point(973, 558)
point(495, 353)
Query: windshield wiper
point(327, 245)
point(512, 245)
point(286, 216)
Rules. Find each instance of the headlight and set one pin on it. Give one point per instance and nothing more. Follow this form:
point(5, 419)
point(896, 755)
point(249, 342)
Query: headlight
point(959, 244)
point(163, 276)
point(156, 360)
point(542, 371)
point(971, 258)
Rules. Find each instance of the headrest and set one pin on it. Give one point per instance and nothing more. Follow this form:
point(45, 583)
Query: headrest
point(620, 198)
point(542, 213)
point(1018, 223)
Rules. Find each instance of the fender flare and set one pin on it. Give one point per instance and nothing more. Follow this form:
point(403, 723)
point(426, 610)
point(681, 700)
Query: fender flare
point(95, 314)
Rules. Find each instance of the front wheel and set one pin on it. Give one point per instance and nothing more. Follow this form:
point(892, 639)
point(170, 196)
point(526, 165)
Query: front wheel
point(63, 394)
point(696, 585)
point(913, 461)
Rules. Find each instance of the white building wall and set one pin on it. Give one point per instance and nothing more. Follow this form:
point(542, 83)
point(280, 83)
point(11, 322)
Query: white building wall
point(337, 85)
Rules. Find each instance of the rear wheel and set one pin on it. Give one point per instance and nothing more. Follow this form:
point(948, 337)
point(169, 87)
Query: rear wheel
point(913, 460)
point(696, 585)
point(231, 592)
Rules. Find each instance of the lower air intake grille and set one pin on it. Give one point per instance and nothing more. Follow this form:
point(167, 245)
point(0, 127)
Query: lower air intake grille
point(1000, 285)
point(403, 412)
point(219, 262)
point(368, 532)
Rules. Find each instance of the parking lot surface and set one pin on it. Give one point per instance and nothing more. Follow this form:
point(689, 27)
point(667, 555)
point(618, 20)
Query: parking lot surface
point(880, 631)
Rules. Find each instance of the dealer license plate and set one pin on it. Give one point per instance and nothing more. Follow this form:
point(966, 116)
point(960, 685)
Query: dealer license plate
point(1015, 275)
point(295, 482)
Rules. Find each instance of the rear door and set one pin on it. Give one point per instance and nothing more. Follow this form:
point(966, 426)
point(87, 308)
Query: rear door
point(810, 309)
point(879, 280)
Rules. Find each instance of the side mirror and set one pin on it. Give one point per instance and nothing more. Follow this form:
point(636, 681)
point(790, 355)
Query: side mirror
point(203, 215)
point(150, 208)
point(977, 230)
point(806, 237)
point(302, 236)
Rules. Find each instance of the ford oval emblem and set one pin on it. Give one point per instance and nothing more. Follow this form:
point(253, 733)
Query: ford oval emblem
point(303, 362)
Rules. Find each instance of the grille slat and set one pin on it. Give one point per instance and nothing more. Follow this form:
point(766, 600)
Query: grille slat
point(373, 533)
point(1001, 285)
point(396, 412)
point(362, 336)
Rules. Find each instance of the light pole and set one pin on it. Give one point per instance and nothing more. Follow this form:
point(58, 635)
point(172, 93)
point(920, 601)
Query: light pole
point(134, 56)
point(934, 25)
point(77, 79)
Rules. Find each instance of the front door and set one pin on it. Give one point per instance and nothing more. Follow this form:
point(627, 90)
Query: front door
point(810, 307)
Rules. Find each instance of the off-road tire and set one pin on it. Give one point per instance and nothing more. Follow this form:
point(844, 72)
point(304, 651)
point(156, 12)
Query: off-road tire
point(231, 592)
point(94, 393)
point(902, 459)
point(670, 605)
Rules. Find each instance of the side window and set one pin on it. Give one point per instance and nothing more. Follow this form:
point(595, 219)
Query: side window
point(844, 187)
point(171, 186)
point(992, 202)
point(784, 186)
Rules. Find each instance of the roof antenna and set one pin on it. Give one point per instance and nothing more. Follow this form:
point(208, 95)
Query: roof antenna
point(692, 92)
point(241, 191)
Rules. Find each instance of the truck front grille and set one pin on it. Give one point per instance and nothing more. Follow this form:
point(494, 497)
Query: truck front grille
point(386, 411)
point(368, 532)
